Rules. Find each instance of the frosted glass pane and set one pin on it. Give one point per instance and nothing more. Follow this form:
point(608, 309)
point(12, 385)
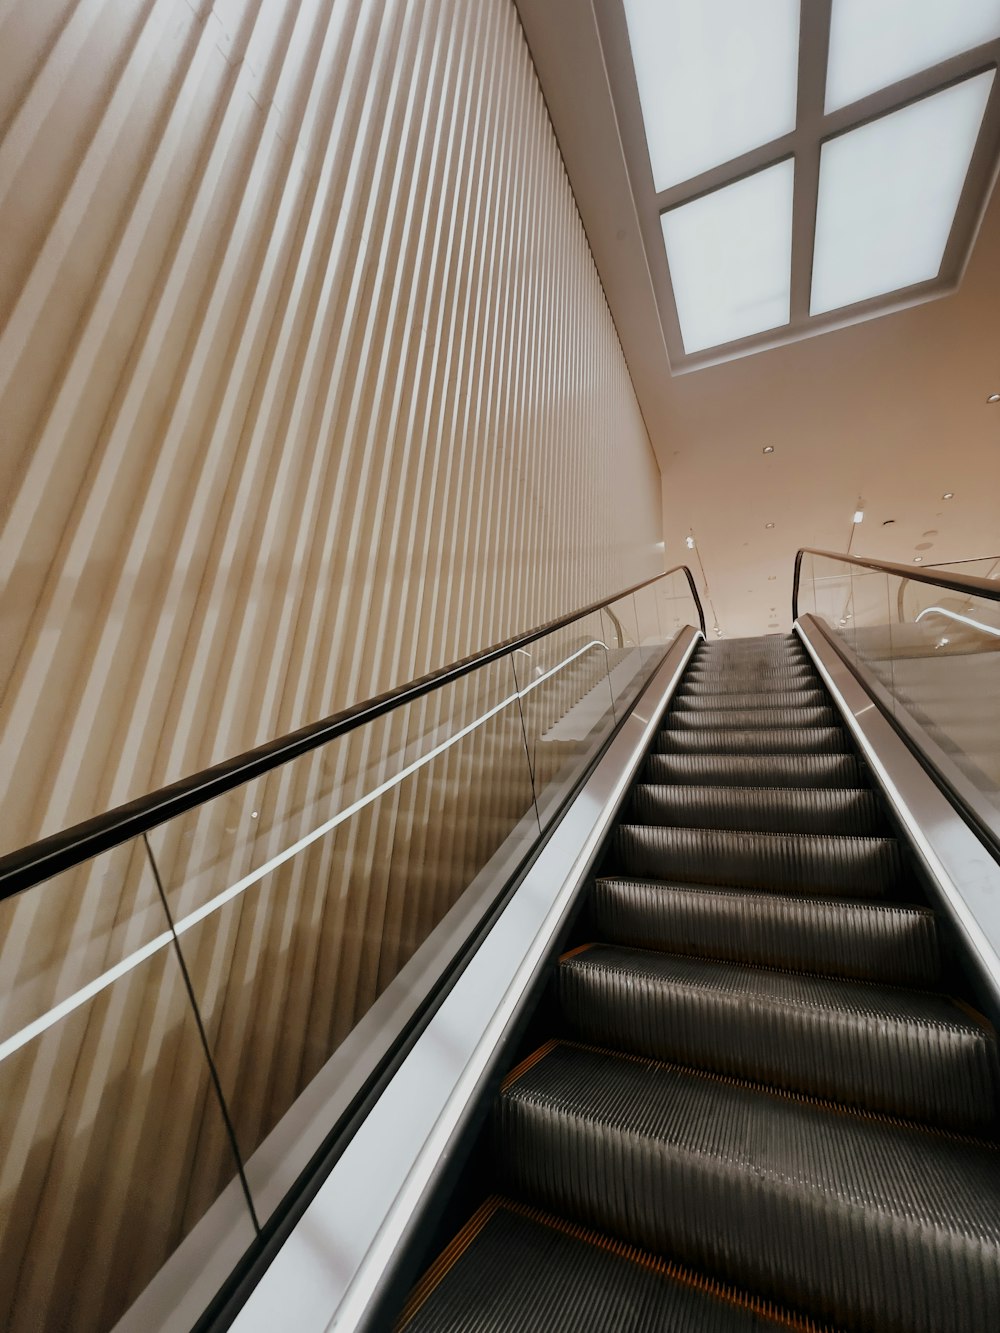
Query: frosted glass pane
point(730, 258)
point(888, 193)
point(877, 42)
point(716, 78)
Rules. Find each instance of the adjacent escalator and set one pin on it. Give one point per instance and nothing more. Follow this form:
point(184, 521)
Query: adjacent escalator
point(765, 1102)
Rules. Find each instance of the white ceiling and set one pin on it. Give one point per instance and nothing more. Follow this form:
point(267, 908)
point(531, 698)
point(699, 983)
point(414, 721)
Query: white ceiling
point(892, 410)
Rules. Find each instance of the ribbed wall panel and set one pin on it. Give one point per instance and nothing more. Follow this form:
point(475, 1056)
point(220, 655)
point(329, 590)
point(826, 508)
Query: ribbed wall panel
point(308, 385)
point(307, 378)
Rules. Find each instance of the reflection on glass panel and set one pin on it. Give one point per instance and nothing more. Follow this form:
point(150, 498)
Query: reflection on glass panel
point(112, 1143)
point(937, 653)
point(567, 704)
point(361, 847)
point(627, 662)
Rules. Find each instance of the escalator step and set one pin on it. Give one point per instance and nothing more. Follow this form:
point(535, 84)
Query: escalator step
point(869, 1223)
point(776, 770)
point(735, 683)
point(869, 941)
point(856, 867)
point(692, 719)
point(881, 1048)
point(773, 740)
point(516, 1269)
point(807, 697)
point(750, 678)
point(757, 809)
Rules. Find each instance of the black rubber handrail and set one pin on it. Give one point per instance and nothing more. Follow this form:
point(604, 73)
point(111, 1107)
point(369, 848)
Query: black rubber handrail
point(50, 856)
point(987, 588)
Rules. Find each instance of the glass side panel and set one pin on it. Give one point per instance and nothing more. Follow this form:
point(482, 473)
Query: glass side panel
point(625, 656)
point(360, 848)
point(567, 703)
point(112, 1140)
point(936, 652)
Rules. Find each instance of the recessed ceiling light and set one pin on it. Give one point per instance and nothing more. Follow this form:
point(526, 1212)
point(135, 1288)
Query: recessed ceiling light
point(843, 622)
point(769, 448)
point(993, 398)
point(948, 495)
point(768, 525)
point(689, 543)
point(859, 515)
point(917, 559)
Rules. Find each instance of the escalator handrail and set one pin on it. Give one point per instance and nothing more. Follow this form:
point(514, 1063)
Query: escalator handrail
point(30, 865)
point(970, 583)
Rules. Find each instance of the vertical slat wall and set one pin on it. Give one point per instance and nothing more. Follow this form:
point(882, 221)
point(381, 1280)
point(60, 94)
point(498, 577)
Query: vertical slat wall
point(307, 380)
point(307, 385)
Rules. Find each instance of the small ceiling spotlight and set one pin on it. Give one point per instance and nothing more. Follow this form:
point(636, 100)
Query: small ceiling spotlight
point(769, 448)
point(768, 525)
point(859, 516)
point(917, 559)
point(689, 543)
point(948, 495)
point(843, 622)
point(942, 643)
point(993, 398)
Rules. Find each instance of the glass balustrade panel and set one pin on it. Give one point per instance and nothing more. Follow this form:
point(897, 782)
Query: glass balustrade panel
point(112, 1140)
point(359, 851)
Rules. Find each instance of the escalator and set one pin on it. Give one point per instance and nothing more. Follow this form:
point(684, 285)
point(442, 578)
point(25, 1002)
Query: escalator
point(765, 1098)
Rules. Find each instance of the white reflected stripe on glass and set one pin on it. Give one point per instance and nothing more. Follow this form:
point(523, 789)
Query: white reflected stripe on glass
point(108, 978)
point(888, 193)
point(715, 78)
point(874, 43)
point(964, 620)
point(730, 255)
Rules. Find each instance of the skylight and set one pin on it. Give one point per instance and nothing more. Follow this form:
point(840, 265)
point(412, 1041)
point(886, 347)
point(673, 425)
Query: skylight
point(874, 43)
point(888, 193)
point(810, 164)
point(715, 77)
point(730, 257)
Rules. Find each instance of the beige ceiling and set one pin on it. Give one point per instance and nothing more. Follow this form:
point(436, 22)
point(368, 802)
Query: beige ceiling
point(893, 410)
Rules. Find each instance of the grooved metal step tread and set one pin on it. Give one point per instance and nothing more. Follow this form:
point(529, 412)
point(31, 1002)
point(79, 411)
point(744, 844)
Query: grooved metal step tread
point(803, 698)
point(517, 1269)
point(862, 1221)
point(856, 867)
point(744, 770)
point(903, 1052)
point(735, 683)
point(869, 941)
point(766, 740)
point(750, 718)
point(837, 810)
point(754, 677)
